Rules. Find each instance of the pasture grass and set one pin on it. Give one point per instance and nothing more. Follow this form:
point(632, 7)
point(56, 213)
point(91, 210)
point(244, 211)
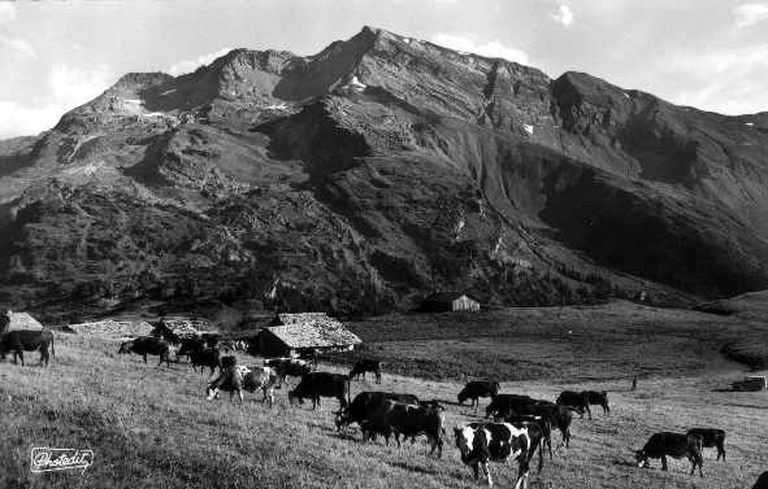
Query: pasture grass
point(151, 427)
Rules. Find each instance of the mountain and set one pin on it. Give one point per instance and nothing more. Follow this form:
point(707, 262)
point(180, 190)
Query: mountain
point(361, 179)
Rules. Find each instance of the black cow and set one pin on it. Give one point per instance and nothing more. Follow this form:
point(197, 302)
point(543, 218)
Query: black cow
point(675, 445)
point(363, 366)
point(481, 443)
point(576, 400)
point(711, 438)
point(560, 417)
point(286, 367)
point(408, 420)
point(598, 398)
point(504, 404)
point(762, 481)
point(148, 345)
point(23, 340)
point(208, 357)
point(477, 389)
point(189, 345)
point(366, 404)
point(321, 384)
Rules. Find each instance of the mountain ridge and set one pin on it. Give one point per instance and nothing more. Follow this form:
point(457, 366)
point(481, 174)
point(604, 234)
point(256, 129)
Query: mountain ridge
point(422, 169)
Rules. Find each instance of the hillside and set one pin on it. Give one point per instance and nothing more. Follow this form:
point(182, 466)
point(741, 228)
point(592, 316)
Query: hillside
point(362, 178)
point(152, 427)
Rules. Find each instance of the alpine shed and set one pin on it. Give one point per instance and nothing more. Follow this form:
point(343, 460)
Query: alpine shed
point(305, 333)
point(447, 301)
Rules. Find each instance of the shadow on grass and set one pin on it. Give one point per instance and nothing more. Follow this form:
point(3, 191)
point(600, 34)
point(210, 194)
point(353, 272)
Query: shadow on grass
point(623, 462)
point(412, 468)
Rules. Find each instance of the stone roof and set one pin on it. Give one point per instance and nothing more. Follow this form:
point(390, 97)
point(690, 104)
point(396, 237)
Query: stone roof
point(111, 328)
point(14, 321)
point(312, 330)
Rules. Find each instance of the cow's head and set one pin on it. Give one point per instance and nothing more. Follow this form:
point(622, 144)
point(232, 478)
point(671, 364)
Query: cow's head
point(464, 438)
point(341, 418)
point(211, 393)
point(462, 397)
point(641, 458)
point(294, 396)
point(125, 347)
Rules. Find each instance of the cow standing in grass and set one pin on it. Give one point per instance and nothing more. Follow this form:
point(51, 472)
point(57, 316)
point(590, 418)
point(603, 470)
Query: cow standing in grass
point(148, 345)
point(476, 389)
point(288, 367)
point(20, 341)
point(408, 420)
point(239, 377)
point(711, 438)
point(675, 445)
point(321, 384)
point(481, 443)
point(363, 366)
point(366, 404)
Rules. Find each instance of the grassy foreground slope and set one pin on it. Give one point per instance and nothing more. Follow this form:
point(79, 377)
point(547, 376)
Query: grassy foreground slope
point(151, 427)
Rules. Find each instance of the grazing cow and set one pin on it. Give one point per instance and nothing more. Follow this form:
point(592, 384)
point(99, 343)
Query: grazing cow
point(504, 404)
point(285, 367)
point(23, 340)
point(408, 420)
point(148, 345)
point(598, 398)
point(239, 378)
point(576, 400)
point(711, 438)
point(208, 357)
point(321, 384)
point(675, 445)
point(481, 443)
point(477, 389)
point(363, 366)
point(366, 404)
point(762, 481)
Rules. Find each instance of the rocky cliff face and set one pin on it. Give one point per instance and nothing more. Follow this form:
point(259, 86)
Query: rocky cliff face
point(364, 177)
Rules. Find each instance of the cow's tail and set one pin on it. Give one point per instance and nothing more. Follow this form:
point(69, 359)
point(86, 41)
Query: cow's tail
point(349, 391)
point(53, 350)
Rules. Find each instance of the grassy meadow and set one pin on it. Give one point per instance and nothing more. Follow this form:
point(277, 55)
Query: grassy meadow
point(152, 427)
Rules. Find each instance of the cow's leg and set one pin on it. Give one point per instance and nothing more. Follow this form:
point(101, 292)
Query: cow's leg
point(145, 357)
point(487, 470)
point(589, 412)
point(378, 377)
point(21, 356)
point(664, 463)
point(240, 395)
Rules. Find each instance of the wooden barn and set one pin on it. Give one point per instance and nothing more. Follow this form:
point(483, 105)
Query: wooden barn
point(305, 334)
point(450, 301)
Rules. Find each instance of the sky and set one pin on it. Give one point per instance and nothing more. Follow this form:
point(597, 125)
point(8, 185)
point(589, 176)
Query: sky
point(711, 54)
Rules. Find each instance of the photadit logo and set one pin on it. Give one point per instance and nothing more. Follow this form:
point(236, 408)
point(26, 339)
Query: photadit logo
point(46, 459)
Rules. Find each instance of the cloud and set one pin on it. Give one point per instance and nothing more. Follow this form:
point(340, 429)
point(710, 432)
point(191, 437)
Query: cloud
point(7, 12)
point(18, 45)
point(750, 14)
point(730, 81)
point(68, 86)
point(492, 49)
point(564, 15)
point(190, 65)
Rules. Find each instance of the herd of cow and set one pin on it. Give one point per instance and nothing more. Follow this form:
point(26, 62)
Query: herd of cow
point(521, 425)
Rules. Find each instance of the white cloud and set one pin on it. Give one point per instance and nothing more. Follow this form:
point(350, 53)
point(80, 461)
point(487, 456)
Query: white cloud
point(750, 14)
point(190, 65)
point(564, 15)
point(7, 12)
point(492, 49)
point(729, 81)
point(69, 87)
point(18, 45)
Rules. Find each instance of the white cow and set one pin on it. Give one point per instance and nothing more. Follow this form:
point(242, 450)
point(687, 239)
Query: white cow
point(242, 378)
